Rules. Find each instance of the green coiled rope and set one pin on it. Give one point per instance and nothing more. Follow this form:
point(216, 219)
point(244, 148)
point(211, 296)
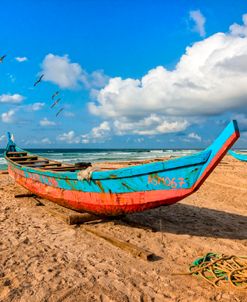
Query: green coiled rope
point(217, 268)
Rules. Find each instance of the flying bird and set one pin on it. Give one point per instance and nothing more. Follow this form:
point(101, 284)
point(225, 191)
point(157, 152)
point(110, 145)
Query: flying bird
point(39, 80)
point(55, 103)
point(2, 58)
point(55, 94)
point(59, 112)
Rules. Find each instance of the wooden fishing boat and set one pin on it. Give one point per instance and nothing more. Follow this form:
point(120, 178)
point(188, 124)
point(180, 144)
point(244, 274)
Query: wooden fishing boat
point(114, 191)
point(239, 156)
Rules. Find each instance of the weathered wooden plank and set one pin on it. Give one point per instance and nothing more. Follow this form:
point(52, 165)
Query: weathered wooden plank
point(24, 195)
point(46, 165)
point(126, 246)
point(79, 218)
point(69, 216)
point(27, 162)
point(17, 153)
point(23, 157)
point(32, 196)
point(65, 168)
point(4, 172)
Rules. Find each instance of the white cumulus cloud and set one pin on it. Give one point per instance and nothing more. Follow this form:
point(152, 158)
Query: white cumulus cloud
point(35, 106)
point(69, 138)
point(195, 136)
point(239, 30)
point(8, 117)
point(199, 21)
point(21, 59)
point(11, 98)
point(61, 71)
point(151, 125)
point(46, 141)
point(97, 79)
point(97, 134)
point(46, 123)
point(209, 79)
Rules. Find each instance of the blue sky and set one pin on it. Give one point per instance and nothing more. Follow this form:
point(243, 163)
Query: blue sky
point(130, 73)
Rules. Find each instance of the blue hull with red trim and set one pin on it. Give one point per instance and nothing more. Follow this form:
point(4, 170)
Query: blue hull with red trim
point(125, 190)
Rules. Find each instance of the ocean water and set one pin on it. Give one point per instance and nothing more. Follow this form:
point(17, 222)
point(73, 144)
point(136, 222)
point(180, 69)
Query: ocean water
point(97, 155)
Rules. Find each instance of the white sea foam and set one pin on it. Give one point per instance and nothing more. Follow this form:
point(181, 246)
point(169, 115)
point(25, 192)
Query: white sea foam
point(156, 151)
point(111, 155)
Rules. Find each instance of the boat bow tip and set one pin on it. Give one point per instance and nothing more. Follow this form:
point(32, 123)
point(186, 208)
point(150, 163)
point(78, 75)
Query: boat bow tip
point(218, 150)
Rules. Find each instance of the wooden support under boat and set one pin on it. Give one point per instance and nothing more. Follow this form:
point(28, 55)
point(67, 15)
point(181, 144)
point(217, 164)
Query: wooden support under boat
point(72, 217)
point(69, 216)
point(79, 218)
point(25, 195)
point(4, 172)
point(126, 246)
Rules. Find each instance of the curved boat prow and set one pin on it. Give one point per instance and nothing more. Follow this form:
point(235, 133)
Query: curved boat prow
point(218, 150)
point(11, 146)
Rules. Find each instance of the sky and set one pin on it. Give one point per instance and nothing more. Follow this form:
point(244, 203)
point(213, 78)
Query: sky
point(129, 74)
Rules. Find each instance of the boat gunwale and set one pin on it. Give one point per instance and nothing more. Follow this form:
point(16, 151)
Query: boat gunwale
point(137, 170)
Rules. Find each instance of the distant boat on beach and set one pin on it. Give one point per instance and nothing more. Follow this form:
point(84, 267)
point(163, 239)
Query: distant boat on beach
point(238, 155)
point(117, 188)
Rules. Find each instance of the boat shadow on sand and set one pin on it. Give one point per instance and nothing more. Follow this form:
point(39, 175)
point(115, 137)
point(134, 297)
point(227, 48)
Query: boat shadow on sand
point(191, 220)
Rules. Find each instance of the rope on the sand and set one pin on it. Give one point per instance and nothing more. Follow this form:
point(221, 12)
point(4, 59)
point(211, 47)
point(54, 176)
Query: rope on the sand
point(217, 269)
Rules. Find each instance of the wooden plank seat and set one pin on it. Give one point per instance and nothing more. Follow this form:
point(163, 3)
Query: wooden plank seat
point(83, 165)
point(33, 163)
point(16, 153)
point(27, 162)
point(49, 165)
point(22, 158)
point(61, 169)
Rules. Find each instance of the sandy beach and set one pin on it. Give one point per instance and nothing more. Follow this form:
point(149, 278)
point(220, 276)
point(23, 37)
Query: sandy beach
point(44, 259)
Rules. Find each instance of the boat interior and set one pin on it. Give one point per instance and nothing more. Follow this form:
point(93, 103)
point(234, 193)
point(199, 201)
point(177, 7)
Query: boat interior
point(35, 161)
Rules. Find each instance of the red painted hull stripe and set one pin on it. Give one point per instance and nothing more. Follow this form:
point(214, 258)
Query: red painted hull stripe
point(102, 202)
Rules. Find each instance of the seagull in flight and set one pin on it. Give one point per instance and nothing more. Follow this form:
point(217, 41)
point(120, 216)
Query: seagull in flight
point(2, 58)
point(39, 80)
point(55, 94)
point(55, 103)
point(59, 112)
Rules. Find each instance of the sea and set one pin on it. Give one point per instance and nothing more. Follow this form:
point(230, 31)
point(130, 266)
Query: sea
point(98, 155)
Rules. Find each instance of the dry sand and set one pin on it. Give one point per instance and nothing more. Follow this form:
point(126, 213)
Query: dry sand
point(43, 259)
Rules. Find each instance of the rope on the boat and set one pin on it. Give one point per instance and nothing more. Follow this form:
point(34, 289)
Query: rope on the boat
point(217, 269)
point(87, 173)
